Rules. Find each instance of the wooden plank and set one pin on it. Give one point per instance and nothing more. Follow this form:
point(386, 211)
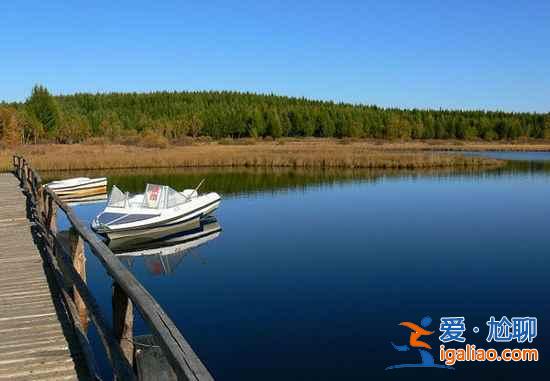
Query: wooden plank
point(37, 365)
point(27, 333)
point(13, 347)
point(41, 325)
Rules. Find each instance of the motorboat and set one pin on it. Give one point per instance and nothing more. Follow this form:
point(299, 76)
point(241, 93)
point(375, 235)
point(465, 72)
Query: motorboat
point(77, 184)
point(78, 187)
point(162, 256)
point(156, 212)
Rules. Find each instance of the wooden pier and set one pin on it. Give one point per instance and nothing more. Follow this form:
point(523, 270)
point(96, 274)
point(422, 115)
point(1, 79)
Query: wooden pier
point(33, 344)
point(46, 305)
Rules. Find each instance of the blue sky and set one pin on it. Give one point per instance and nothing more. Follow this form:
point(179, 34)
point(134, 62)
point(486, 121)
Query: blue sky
point(427, 54)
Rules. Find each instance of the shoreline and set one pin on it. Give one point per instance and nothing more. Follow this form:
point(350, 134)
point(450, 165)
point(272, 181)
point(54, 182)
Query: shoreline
point(287, 153)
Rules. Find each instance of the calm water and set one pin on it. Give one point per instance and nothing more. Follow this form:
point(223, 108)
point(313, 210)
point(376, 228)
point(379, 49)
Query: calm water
point(516, 156)
point(312, 272)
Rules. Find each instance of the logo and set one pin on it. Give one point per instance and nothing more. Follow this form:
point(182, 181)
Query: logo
point(426, 358)
point(522, 330)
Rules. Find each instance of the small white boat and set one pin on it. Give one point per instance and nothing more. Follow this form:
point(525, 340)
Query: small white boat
point(79, 187)
point(156, 211)
point(76, 183)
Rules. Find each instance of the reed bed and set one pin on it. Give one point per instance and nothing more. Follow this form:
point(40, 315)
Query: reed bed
point(296, 154)
point(460, 145)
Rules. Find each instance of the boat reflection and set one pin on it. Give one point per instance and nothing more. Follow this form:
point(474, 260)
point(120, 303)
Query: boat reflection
point(161, 256)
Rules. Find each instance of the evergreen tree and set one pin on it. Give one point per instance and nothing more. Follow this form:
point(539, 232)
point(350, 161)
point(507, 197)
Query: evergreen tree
point(274, 127)
point(44, 108)
point(256, 125)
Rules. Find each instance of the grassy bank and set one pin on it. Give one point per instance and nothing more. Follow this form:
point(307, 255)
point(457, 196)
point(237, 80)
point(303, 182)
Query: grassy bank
point(456, 145)
point(313, 153)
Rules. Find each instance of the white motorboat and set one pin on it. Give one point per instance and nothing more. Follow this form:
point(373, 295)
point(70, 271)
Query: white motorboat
point(78, 187)
point(155, 212)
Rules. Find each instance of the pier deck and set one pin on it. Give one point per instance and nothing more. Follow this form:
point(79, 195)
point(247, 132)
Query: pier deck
point(34, 332)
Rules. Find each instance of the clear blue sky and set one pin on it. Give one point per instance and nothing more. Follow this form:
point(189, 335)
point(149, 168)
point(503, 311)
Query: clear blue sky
point(452, 54)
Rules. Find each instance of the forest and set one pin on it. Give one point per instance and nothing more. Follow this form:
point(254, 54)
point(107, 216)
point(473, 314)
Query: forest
point(173, 116)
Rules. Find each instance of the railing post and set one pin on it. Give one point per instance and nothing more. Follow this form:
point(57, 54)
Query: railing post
point(123, 322)
point(23, 175)
point(22, 168)
point(40, 204)
point(15, 161)
point(45, 206)
point(19, 169)
point(34, 185)
point(28, 180)
point(52, 218)
point(79, 263)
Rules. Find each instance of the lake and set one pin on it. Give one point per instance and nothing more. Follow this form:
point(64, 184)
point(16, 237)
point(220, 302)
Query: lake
point(313, 271)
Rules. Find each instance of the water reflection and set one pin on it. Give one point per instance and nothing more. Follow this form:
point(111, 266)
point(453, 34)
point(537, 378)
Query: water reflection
point(525, 156)
point(248, 181)
point(161, 255)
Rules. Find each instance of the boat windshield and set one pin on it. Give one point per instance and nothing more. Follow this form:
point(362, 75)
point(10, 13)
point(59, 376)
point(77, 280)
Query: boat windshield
point(117, 198)
point(162, 197)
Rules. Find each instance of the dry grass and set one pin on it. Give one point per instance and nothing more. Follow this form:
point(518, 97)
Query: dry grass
point(461, 145)
point(307, 153)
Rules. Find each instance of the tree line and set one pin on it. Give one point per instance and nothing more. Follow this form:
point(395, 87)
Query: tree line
point(220, 114)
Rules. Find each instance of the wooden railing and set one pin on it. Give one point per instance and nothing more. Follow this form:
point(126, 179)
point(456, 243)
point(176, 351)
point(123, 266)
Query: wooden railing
point(66, 259)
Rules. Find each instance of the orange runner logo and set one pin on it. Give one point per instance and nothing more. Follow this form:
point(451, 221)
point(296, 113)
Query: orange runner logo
point(417, 331)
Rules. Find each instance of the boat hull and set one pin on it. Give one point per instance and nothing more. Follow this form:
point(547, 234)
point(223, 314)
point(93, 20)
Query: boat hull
point(184, 235)
point(70, 185)
point(82, 192)
point(80, 187)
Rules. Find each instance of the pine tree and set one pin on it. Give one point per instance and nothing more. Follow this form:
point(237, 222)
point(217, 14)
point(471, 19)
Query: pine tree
point(274, 127)
point(45, 109)
point(256, 126)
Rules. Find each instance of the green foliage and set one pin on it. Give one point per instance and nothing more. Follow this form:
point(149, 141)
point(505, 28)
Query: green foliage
point(74, 128)
point(43, 108)
point(274, 126)
point(111, 126)
point(470, 133)
point(256, 124)
point(177, 115)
